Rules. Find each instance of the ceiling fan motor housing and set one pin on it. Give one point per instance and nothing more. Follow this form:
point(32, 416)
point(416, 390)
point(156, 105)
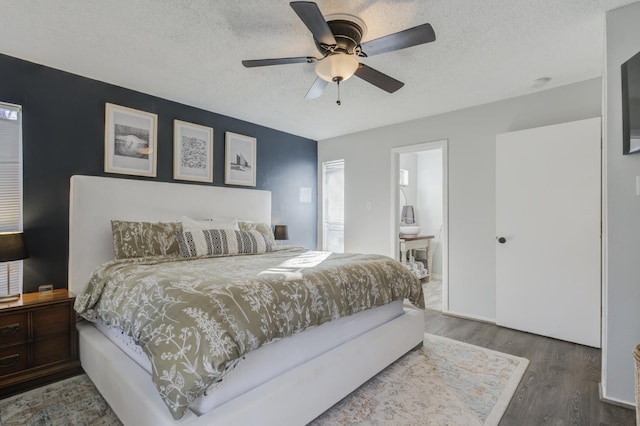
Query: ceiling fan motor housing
point(348, 36)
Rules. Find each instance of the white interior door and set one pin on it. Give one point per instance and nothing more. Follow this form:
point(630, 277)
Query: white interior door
point(548, 213)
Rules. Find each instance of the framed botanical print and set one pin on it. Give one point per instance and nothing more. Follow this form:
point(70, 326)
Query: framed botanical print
point(192, 152)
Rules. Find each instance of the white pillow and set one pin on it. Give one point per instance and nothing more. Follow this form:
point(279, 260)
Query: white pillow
point(189, 224)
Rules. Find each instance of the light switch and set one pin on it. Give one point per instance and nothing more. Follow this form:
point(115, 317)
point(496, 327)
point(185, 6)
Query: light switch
point(368, 205)
point(305, 195)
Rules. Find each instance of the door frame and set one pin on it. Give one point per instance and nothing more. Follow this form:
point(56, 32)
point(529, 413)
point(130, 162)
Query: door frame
point(395, 199)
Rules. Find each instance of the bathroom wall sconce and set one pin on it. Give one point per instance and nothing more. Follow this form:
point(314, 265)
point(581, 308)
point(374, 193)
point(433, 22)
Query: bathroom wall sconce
point(404, 177)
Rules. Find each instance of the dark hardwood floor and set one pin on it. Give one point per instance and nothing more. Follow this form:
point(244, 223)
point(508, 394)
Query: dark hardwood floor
point(560, 386)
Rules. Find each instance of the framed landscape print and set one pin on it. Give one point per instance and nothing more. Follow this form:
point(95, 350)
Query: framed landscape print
point(192, 152)
point(240, 160)
point(130, 141)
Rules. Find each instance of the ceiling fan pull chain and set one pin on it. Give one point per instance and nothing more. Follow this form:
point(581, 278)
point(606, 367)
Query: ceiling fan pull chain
point(338, 101)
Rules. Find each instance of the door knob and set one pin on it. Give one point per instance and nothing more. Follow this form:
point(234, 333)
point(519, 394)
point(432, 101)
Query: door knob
point(502, 240)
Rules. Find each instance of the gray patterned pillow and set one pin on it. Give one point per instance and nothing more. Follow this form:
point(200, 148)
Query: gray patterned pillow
point(260, 227)
point(142, 239)
point(206, 242)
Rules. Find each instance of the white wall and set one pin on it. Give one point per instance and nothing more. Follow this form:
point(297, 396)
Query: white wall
point(621, 296)
point(429, 204)
point(471, 151)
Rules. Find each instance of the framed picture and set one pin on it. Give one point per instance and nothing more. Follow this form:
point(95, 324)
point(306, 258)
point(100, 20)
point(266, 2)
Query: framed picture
point(192, 152)
point(130, 141)
point(240, 160)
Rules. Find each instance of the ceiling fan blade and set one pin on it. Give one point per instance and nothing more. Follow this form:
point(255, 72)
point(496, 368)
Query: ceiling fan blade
point(401, 40)
point(316, 89)
point(278, 61)
point(378, 79)
point(310, 14)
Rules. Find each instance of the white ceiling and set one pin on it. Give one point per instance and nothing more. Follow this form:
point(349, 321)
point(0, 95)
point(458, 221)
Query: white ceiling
point(190, 51)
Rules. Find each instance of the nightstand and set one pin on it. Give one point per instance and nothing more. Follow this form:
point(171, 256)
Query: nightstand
point(38, 342)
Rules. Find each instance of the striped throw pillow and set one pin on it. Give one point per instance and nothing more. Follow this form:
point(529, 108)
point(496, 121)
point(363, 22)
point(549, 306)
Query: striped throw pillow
point(207, 242)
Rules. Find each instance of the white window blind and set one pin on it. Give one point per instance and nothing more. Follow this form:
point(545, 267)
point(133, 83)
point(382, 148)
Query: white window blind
point(333, 206)
point(10, 187)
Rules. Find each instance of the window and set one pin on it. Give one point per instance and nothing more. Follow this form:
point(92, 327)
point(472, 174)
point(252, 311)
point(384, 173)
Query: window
point(333, 206)
point(10, 187)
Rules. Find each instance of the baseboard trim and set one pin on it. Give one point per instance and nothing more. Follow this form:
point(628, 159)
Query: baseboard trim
point(614, 401)
point(469, 317)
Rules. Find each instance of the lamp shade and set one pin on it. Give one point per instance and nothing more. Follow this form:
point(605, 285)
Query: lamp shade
point(281, 232)
point(12, 247)
point(408, 215)
point(339, 65)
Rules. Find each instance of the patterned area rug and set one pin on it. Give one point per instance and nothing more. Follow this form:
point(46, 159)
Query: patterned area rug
point(73, 401)
point(445, 383)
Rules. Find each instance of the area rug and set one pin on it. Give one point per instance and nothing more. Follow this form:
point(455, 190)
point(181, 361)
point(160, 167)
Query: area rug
point(446, 382)
point(73, 401)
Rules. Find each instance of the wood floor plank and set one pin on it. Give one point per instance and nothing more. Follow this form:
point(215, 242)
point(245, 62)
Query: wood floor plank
point(561, 384)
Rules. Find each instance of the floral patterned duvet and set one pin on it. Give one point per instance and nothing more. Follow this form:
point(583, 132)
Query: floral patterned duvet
point(195, 317)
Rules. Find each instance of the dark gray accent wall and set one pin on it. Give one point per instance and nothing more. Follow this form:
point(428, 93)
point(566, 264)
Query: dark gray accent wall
point(63, 135)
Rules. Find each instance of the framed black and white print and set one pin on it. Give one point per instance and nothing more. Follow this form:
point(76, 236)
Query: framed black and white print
point(239, 160)
point(130, 141)
point(192, 152)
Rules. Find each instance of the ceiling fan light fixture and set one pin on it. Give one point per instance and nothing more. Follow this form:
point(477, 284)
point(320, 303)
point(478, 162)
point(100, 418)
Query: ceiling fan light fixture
point(337, 65)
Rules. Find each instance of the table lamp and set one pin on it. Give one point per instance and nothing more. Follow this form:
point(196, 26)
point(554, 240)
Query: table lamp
point(281, 232)
point(408, 215)
point(12, 248)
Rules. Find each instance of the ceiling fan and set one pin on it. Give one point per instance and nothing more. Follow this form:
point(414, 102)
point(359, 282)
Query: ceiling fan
point(338, 39)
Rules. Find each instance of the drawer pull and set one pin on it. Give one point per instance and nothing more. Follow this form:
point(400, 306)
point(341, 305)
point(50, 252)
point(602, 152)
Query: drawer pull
point(9, 361)
point(8, 330)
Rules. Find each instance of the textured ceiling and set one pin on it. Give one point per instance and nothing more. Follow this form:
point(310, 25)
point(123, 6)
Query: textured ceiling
point(190, 51)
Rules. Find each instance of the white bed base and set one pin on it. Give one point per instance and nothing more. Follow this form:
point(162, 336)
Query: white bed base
point(293, 398)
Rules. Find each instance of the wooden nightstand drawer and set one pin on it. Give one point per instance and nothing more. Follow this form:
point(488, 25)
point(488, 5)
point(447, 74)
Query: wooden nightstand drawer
point(51, 320)
point(51, 350)
point(12, 359)
point(38, 341)
point(13, 328)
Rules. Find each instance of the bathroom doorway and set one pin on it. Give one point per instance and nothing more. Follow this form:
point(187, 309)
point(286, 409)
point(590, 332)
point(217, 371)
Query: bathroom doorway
point(419, 216)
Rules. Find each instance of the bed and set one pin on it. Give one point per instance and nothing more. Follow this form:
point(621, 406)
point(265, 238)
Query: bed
point(291, 390)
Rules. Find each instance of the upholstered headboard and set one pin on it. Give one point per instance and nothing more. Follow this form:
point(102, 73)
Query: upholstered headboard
point(95, 201)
